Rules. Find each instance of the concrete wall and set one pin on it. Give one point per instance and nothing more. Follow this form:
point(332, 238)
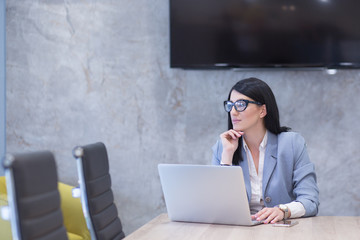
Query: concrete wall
point(85, 71)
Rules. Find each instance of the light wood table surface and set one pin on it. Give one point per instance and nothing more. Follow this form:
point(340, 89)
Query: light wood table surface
point(314, 228)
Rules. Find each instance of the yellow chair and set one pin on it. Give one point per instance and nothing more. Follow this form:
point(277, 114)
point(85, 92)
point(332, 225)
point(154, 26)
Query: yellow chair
point(5, 227)
point(2, 185)
point(74, 220)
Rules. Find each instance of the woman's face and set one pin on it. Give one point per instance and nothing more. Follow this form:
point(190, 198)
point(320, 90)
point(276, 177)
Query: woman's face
point(251, 118)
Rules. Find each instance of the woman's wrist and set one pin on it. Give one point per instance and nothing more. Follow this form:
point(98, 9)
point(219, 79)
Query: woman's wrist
point(226, 159)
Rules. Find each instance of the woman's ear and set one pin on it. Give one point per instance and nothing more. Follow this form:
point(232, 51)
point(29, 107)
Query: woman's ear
point(263, 111)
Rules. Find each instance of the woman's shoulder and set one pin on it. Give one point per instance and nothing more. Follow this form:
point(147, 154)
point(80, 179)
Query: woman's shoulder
point(291, 137)
point(290, 134)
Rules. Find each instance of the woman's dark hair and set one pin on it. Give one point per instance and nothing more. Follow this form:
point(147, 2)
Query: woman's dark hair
point(259, 91)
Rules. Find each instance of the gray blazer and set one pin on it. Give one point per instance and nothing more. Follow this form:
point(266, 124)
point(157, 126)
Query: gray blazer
point(288, 173)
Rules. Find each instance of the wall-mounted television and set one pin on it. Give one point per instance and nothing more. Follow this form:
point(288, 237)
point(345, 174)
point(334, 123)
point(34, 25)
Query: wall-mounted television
point(208, 34)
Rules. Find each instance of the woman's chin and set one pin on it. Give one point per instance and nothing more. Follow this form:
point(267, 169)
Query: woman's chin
point(238, 129)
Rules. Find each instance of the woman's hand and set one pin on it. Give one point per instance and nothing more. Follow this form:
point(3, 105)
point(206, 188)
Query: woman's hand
point(230, 142)
point(269, 215)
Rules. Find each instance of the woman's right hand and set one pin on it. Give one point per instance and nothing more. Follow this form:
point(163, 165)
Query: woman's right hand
point(230, 142)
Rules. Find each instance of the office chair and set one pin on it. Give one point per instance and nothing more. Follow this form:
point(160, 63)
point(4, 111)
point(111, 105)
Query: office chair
point(73, 216)
point(97, 198)
point(33, 197)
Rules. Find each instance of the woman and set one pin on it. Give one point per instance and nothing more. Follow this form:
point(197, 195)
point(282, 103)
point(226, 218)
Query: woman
point(280, 179)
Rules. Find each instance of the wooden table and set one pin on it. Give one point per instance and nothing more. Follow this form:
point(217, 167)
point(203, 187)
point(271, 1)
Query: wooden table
point(315, 228)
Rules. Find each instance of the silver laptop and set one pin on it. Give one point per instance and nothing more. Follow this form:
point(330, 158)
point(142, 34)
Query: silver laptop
point(205, 194)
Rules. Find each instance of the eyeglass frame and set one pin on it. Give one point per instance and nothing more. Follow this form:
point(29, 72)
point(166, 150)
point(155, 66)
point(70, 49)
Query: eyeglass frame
point(244, 100)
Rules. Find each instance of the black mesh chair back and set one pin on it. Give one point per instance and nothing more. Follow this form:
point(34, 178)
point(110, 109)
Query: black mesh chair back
point(97, 197)
point(34, 199)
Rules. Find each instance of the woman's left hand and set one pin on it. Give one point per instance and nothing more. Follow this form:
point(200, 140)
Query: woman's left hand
point(269, 215)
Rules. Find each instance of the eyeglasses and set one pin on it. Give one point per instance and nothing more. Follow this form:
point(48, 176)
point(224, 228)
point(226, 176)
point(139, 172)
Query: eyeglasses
point(240, 105)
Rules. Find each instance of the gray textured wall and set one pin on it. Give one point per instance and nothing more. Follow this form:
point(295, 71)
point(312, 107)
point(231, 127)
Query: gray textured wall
point(85, 71)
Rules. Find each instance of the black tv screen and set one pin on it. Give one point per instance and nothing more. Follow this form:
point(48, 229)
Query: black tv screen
point(264, 33)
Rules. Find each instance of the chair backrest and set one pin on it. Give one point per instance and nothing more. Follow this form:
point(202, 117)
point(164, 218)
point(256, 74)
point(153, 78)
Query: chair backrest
point(33, 196)
point(97, 198)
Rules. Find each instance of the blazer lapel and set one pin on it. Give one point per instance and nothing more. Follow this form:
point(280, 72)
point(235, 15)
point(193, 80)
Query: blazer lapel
point(245, 168)
point(270, 159)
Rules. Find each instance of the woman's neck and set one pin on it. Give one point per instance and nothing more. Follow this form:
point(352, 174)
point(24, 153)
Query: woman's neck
point(254, 137)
